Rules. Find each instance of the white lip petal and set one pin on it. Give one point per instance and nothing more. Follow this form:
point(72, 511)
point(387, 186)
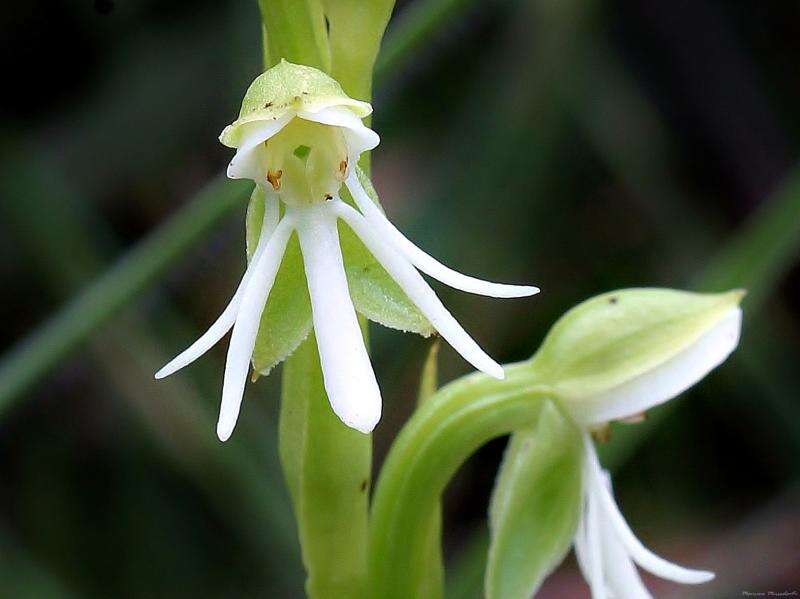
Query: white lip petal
point(638, 552)
point(425, 262)
point(246, 162)
point(225, 321)
point(347, 372)
point(418, 292)
point(667, 380)
point(359, 137)
point(245, 330)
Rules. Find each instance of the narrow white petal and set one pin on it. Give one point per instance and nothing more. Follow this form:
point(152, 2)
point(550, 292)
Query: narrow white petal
point(640, 554)
point(597, 581)
point(622, 578)
point(347, 372)
point(668, 380)
point(581, 545)
point(418, 292)
point(246, 163)
point(225, 321)
point(424, 261)
point(272, 214)
point(245, 330)
point(359, 137)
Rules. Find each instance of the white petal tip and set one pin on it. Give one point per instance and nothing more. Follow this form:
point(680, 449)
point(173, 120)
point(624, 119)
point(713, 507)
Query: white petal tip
point(699, 577)
point(496, 371)
point(529, 290)
point(224, 431)
point(163, 373)
point(363, 423)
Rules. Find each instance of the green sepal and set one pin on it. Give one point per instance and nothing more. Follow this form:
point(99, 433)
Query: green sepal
point(535, 506)
point(286, 320)
point(375, 294)
point(285, 89)
point(612, 338)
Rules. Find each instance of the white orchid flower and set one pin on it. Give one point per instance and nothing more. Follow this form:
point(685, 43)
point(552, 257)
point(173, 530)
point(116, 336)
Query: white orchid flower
point(299, 138)
point(644, 348)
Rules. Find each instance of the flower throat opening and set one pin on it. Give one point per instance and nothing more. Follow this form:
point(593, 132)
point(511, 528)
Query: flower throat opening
point(306, 162)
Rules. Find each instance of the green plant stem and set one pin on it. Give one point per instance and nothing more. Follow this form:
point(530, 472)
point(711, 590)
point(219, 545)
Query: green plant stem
point(327, 467)
point(438, 438)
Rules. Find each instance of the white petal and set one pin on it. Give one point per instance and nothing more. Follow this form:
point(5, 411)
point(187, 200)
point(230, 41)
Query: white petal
point(622, 578)
point(581, 545)
point(245, 330)
point(346, 369)
point(225, 321)
point(359, 137)
point(246, 164)
point(597, 580)
point(425, 262)
point(640, 554)
point(668, 380)
point(418, 292)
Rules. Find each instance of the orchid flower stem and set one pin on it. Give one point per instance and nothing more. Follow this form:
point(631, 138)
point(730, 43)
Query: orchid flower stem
point(436, 441)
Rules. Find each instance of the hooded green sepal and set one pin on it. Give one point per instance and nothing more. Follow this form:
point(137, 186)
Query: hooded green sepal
point(535, 506)
point(287, 89)
point(613, 338)
point(375, 294)
point(286, 320)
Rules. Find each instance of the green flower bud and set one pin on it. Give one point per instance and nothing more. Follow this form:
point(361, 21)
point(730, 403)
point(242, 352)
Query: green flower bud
point(620, 353)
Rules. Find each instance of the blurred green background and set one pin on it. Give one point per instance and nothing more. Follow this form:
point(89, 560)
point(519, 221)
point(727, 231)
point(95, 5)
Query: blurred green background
point(575, 144)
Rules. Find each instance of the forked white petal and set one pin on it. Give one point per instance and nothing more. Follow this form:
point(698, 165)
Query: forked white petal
point(347, 372)
point(418, 291)
point(246, 162)
point(668, 380)
point(622, 578)
point(424, 261)
point(245, 330)
point(225, 320)
point(359, 137)
point(640, 554)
